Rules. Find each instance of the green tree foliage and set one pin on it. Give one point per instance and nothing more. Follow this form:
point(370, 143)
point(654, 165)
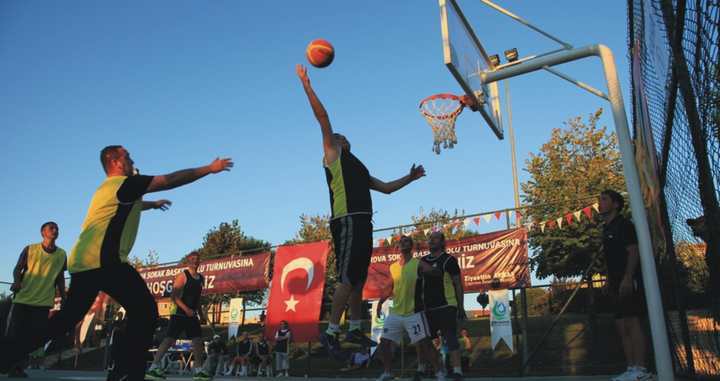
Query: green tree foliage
point(571, 169)
point(450, 223)
point(537, 300)
point(228, 239)
point(696, 274)
point(152, 258)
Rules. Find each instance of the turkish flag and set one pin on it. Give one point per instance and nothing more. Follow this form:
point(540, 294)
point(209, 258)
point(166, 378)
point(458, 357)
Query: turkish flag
point(296, 290)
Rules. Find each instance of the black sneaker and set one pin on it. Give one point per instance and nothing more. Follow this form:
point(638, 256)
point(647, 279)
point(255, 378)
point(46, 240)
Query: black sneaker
point(455, 376)
point(418, 375)
point(332, 345)
point(357, 337)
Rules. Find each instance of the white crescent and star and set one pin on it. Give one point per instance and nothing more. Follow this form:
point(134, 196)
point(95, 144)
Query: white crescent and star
point(301, 263)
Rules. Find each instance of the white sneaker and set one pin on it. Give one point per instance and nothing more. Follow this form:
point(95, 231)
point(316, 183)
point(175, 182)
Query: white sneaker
point(628, 375)
point(385, 377)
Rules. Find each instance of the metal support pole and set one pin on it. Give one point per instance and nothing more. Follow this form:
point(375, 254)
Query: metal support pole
point(663, 360)
point(516, 197)
point(511, 133)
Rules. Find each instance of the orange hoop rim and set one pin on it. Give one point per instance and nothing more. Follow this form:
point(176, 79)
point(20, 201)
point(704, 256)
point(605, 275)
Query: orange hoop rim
point(450, 115)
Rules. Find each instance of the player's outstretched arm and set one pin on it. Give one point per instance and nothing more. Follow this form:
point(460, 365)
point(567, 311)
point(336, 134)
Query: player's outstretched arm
point(186, 176)
point(329, 144)
point(159, 204)
point(416, 172)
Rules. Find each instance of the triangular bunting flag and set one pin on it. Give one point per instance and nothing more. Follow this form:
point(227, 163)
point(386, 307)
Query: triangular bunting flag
point(551, 224)
point(487, 217)
point(596, 206)
point(588, 212)
point(518, 216)
point(498, 215)
point(476, 220)
point(529, 226)
point(390, 240)
point(380, 242)
point(427, 231)
point(559, 222)
point(578, 214)
point(542, 227)
point(569, 218)
point(467, 222)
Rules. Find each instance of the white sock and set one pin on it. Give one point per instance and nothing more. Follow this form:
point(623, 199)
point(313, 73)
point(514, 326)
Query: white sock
point(333, 329)
point(421, 368)
point(244, 370)
point(457, 370)
point(355, 325)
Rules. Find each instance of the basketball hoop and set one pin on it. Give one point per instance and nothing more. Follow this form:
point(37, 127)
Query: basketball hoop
point(440, 111)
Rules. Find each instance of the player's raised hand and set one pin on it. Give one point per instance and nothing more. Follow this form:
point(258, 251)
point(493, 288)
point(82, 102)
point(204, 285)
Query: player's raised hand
point(302, 74)
point(416, 172)
point(219, 165)
point(162, 204)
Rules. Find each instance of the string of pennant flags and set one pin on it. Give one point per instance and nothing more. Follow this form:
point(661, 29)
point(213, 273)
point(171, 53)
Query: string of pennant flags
point(467, 222)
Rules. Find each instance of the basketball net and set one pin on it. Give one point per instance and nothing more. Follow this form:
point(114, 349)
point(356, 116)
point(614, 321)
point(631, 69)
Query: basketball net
point(440, 111)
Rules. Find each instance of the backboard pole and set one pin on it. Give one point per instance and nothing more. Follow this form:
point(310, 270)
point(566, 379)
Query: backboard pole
point(661, 347)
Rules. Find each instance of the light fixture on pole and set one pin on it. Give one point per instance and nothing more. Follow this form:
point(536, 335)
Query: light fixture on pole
point(511, 55)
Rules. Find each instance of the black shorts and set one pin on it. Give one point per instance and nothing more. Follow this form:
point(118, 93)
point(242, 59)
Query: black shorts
point(352, 239)
point(444, 320)
point(179, 324)
point(24, 318)
point(631, 305)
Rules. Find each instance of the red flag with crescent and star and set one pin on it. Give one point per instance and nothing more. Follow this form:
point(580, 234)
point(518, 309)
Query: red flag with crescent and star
point(296, 290)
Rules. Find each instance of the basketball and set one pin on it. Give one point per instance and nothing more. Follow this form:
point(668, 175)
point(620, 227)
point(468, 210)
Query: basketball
point(320, 53)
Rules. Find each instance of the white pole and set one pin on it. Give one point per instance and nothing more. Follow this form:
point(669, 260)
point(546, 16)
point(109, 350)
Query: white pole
point(663, 361)
point(511, 133)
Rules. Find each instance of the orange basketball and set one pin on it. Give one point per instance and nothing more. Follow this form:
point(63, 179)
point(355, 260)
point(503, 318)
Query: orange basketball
point(320, 53)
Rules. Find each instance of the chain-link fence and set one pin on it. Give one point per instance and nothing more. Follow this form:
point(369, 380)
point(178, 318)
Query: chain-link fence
point(673, 46)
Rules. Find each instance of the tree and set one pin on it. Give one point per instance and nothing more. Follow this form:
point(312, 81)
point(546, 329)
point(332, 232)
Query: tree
point(228, 239)
point(695, 272)
point(571, 169)
point(152, 258)
point(450, 224)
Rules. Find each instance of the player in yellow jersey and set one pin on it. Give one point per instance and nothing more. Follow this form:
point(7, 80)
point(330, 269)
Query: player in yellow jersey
point(407, 314)
point(99, 259)
point(37, 275)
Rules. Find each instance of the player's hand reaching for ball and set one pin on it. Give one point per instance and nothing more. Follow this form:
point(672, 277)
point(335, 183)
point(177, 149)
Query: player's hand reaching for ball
point(302, 74)
point(219, 165)
point(416, 172)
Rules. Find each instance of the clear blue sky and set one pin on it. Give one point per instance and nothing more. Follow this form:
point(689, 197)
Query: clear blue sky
point(181, 82)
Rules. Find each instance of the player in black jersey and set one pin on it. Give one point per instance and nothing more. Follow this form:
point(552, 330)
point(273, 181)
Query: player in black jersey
point(349, 183)
point(443, 298)
point(187, 288)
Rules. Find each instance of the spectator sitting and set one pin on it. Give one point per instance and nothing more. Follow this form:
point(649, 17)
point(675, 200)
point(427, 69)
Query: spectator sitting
point(262, 349)
point(216, 349)
point(245, 349)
